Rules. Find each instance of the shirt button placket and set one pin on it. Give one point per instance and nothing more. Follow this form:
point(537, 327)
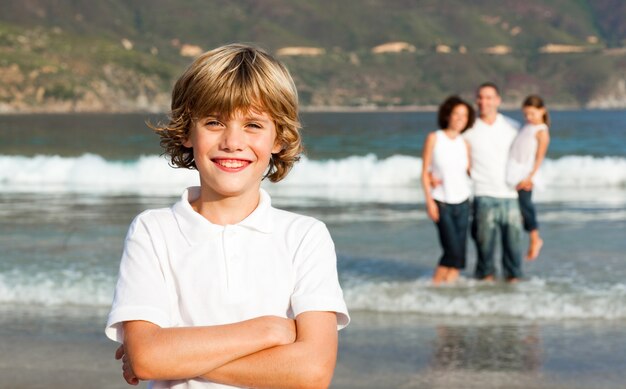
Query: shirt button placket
point(230, 258)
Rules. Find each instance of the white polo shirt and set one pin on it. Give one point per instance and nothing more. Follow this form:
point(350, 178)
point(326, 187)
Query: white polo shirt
point(178, 269)
point(489, 149)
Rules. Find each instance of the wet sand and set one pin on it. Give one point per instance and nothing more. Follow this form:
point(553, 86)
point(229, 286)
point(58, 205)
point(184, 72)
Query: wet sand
point(376, 351)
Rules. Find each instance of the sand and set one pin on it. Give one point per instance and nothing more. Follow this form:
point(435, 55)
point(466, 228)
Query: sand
point(376, 351)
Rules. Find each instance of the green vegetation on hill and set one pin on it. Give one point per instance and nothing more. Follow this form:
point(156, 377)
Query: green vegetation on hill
point(117, 55)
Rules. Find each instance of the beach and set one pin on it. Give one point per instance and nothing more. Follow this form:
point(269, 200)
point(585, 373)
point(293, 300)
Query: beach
point(71, 184)
point(50, 350)
point(376, 351)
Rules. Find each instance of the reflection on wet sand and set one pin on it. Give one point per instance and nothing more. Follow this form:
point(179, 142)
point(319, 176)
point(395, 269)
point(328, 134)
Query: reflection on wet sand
point(485, 348)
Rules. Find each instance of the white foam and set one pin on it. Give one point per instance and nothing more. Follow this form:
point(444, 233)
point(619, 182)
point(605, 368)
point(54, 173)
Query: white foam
point(356, 178)
point(534, 299)
point(585, 172)
point(91, 173)
point(583, 216)
point(61, 287)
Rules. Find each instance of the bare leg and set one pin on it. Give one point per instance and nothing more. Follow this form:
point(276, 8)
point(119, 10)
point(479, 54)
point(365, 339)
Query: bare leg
point(534, 246)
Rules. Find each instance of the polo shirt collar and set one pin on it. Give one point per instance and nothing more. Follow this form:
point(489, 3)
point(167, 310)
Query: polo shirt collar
point(260, 219)
point(195, 227)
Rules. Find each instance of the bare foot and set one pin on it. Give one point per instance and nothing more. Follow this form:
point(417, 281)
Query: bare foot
point(534, 249)
point(453, 275)
point(488, 278)
point(440, 275)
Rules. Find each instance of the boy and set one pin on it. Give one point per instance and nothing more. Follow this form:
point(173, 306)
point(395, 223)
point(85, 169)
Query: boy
point(222, 289)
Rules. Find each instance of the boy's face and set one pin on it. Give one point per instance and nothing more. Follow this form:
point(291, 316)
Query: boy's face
point(232, 154)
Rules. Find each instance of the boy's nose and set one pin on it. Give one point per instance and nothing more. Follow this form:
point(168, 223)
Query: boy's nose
point(232, 139)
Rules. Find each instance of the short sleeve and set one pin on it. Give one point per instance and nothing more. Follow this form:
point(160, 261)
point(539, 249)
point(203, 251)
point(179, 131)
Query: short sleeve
point(141, 292)
point(317, 285)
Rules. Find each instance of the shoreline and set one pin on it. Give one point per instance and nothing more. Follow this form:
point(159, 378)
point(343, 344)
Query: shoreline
point(303, 109)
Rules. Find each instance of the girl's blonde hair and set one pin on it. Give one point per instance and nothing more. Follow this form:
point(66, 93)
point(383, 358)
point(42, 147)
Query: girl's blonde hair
point(229, 79)
point(537, 102)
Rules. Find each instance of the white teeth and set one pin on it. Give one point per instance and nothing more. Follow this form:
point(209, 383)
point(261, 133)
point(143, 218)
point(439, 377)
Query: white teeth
point(231, 164)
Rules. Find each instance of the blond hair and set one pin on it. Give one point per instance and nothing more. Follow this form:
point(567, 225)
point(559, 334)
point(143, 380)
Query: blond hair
point(229, 79)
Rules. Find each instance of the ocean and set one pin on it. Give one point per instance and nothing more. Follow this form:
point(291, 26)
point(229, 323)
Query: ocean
point(71, 183)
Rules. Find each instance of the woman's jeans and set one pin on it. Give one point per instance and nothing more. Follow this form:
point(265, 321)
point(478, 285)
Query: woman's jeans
point(452, 227)
point(490, 216)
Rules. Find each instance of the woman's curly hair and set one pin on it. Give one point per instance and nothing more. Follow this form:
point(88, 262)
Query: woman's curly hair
point(229, 79)
point(446, 108)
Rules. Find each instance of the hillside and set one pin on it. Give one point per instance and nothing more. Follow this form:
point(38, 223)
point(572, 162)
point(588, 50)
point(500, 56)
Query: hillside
point(77, 55)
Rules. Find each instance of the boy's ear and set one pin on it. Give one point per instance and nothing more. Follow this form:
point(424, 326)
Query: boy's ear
point(187, 143)
point(278, 147)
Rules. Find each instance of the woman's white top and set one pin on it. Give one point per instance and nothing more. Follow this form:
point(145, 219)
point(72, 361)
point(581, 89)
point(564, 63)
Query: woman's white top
point(522, 154)
point(449, 164)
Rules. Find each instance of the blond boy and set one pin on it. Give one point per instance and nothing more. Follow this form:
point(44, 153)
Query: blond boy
point(222, 289)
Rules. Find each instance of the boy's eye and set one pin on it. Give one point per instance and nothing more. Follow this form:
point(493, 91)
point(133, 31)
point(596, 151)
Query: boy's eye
point(254, 125)
point(212, 123)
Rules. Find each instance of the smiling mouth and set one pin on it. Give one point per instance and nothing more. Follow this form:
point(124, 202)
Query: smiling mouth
point(231, 164)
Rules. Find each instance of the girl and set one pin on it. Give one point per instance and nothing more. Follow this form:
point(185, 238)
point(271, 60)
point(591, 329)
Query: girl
point(446, 162)
point(525, 157)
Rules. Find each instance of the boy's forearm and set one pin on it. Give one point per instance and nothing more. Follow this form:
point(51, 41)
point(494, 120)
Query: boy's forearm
point(278, 367)
point(181, 353)
point(307, 363)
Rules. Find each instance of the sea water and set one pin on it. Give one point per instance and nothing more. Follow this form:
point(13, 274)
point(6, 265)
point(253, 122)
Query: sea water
point(71, 184)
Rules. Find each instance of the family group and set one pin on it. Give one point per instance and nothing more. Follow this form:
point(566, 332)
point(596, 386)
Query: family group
point(502, 162)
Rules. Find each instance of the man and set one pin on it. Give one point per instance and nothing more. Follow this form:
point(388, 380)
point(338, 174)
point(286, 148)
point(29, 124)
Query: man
point(495, 203)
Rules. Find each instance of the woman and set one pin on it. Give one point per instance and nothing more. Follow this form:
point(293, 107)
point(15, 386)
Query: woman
point(446, 187)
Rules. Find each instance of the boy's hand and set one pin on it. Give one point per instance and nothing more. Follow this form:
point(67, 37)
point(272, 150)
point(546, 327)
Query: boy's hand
point(127, 371)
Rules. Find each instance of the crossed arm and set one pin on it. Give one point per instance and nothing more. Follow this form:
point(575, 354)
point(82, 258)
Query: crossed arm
point(262, 352)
